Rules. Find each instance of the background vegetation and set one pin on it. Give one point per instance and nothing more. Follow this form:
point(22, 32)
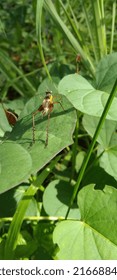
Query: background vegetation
point(58, 202)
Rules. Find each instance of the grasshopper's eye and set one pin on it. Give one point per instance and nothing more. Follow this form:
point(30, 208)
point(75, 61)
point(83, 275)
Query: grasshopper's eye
point(48, 91)
point(48, 94)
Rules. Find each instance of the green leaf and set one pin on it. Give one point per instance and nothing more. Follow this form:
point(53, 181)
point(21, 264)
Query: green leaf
point(107, 132)
point(85, 98)
point(108, 161)
point(15, 165)
point(108, 143)
point(106, 72)
point(56, 200)
point(61, 127)
point(16, 105)
point(26, 245)
point(94, 237)
point(79, 160)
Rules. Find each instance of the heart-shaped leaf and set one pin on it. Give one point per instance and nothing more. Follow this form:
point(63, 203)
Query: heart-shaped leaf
point(108, 143)
point(60, 130)
point(106, 72)
point(85, 98)
point(94, 237)
point(56, 199)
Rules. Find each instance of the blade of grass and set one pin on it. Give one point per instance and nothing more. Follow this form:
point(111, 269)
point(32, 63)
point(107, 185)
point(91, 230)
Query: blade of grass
point(15, 226)
point(10, 70)
point(18, 217)
point(103, 28)
point(89, 27)
point(76, 29)
point(113, 25)
point(73, 22)
point(98, 15)
point(39, 7)
point(86, 160)
point(49, 6)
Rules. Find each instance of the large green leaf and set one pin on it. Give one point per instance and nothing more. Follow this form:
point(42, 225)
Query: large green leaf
point(85, 98)
point(108, 142)
point(95, 236)
point(61, 127)
point(56, 199)
point(15, 165)
point(107, 133)
point(106, 72)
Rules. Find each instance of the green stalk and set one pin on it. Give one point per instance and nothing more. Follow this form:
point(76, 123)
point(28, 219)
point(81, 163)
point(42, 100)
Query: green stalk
point(73, 22)
point(86, 160)
point(113, 25)
point(98, 11)
point(14, 229)
point(89, 26)
point(49, 6)
point(103, 29)
point(9, 69)
point(15, 226)
point(39, 7)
